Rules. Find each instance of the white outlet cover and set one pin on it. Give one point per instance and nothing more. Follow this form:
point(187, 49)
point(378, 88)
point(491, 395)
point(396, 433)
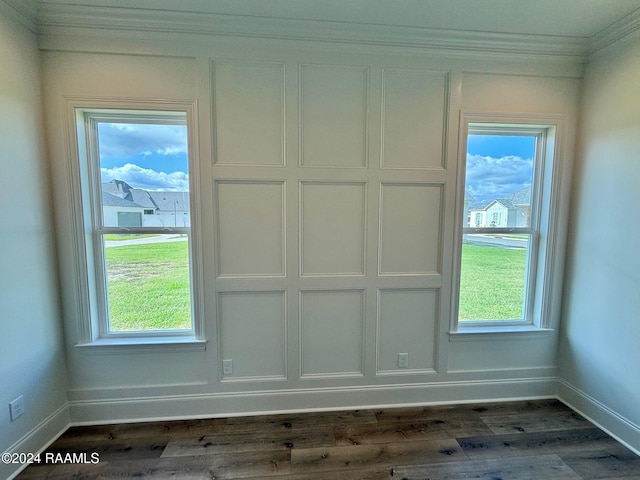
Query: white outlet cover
point(227, 367)
point(403, 360)
point(16, 408)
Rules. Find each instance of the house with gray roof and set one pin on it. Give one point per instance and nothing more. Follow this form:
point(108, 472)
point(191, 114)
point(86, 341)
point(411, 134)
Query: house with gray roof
point(125, 206)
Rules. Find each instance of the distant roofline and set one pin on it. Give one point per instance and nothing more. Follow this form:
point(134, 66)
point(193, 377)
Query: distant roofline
point(157, 202)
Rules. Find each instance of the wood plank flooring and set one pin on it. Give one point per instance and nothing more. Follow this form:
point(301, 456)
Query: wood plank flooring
point(499, 441)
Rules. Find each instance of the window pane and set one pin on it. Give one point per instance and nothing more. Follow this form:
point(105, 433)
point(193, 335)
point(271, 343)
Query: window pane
point(148, 282)
point(498, 180)
point(498, 194)
point(144, 174)
point(493, 277)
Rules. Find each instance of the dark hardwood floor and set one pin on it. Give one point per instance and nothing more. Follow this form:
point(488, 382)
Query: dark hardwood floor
point(498, 441)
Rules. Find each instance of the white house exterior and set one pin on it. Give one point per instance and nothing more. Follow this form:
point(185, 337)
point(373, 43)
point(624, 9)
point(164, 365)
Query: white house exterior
point(124, 206)
point(521, 200)
point(478, 216)
point(498, 214)
point(468, 200)
point(512, 211)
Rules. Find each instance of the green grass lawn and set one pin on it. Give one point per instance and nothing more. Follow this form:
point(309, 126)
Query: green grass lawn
point(149, 286)
point(491, 283)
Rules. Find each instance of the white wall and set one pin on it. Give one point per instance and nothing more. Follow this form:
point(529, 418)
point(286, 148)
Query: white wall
point(32, 361)
point(599, 354)
point(343, 232)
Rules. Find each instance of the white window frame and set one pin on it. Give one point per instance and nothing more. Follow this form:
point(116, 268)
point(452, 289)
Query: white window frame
point(84, 114)
point(543, 274)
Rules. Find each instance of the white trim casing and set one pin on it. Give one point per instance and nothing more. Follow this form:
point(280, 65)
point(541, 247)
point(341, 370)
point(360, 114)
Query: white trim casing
point(87, 302)
point(544, 285)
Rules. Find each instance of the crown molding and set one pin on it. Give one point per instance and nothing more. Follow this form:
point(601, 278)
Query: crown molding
point(122, 22)
point(21, 11)
point(625, 29)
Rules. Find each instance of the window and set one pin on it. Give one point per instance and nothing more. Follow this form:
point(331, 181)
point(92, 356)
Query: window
point(135, 171)
point(507, 171)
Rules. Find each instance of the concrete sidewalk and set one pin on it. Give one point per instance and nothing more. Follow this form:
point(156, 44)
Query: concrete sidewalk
point(171, 237)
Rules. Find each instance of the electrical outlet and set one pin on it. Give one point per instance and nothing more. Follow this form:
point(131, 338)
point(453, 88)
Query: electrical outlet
point(227, 367)
point(403, 360)
point(16, 408)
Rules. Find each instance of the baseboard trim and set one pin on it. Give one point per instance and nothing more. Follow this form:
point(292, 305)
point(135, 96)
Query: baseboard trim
point(124, 410)
point(37, 439)
point(623, 430)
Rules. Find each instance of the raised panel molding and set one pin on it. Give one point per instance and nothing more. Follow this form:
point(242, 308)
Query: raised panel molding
point(413, 119)
point(250, 228)
point(407, 323)
point(333, 116)
point(410, 229)
point(248, 105)
point(253, 335)
point(332, 333)
point(332, 228)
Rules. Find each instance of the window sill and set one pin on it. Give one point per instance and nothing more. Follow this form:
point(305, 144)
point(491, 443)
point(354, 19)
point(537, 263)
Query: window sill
point(472, 334)
point(144, 345)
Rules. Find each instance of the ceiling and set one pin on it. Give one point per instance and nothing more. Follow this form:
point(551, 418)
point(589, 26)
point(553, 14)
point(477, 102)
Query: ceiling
point(568, 18)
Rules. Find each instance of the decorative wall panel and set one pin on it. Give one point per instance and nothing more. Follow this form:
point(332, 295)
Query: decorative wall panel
point(253, 333)
point(332, 332)
point(334, 116)
point(413, 119)
point(410, 222)
point(249, 113)
point(333, 228)
point(407, 322)
point(250, 228)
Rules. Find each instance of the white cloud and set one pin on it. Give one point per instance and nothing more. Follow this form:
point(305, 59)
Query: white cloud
point(491, 178)
point(129, 140)
point(146, 178)
point(170, 151)
point(124, 127)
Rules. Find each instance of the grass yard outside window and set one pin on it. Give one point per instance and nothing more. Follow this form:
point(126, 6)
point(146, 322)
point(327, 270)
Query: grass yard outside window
point(492, 283)
point(148, 286)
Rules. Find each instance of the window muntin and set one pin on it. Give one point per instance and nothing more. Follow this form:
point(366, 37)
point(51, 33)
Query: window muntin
point(138, 162)
point(499, 249)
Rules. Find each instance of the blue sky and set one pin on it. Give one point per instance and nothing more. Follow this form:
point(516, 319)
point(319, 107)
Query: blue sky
point(498, 165)
point(497, 146)
point(152, 157)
